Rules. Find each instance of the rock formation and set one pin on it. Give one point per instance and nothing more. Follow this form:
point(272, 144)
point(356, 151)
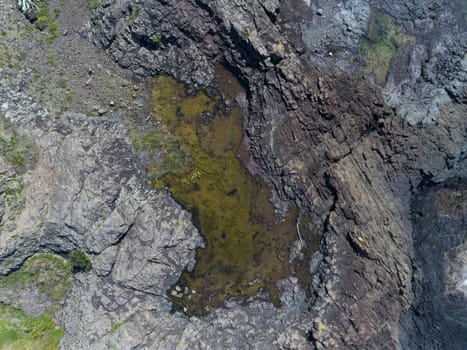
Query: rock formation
point(363, 161)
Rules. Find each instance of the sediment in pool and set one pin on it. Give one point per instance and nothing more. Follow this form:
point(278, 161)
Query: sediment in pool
point(247, 243)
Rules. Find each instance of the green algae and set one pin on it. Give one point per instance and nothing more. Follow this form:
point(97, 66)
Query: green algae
point(383, 43)
point(247, 244)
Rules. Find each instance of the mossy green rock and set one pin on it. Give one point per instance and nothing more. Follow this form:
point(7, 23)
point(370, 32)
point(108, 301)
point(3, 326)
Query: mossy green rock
point(21, 332)
point(49, 273)
point(79, 261)
point(382, 45)
point(17, 150)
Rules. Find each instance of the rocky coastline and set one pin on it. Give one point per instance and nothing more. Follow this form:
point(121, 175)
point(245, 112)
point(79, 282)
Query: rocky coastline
point(373, 163)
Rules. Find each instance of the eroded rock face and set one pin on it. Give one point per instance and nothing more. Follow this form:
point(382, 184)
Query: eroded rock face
point(455, 273)
point(326, 140)
point(425, 77)
point(437, 318)
point(86, 191)
point(322, 138)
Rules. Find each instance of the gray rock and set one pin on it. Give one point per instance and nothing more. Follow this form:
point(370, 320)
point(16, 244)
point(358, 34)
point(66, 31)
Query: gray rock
point(103, 262)
point(425, 77)
point(321, 137)
point(87, 191)
point(337, 32)
point(326, 140)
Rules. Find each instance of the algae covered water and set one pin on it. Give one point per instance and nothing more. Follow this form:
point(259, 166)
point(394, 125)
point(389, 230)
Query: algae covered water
point(247, 244)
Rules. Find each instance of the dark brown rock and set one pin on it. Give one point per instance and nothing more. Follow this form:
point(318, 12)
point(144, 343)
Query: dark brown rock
point(323, 138)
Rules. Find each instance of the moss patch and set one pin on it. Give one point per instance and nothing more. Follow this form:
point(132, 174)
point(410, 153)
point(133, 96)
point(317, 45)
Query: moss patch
point(12, 193)
point(164, 152)
point(247, 244)
point(17, 150)
point(383, 43)
point(21, 154)
point(49, 273)
point(21, 332)
point(46, 20)
point(79, 261)
point(92, 4)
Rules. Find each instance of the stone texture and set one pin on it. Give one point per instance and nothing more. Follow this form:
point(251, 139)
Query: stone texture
point(322, 137)
point(327, 140)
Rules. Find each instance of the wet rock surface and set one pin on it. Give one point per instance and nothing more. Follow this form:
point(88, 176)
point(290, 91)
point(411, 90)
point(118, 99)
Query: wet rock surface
point(323, 138)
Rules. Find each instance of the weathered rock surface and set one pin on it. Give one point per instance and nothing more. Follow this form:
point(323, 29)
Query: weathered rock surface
point(87, 191)
point(425, 76)
point(437, 320)
point(326, 139)
point(322, 137)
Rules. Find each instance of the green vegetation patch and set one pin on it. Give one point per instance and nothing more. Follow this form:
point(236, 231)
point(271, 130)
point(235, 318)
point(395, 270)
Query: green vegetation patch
point(79, 261)
point(49, 273)
point(165, 153)
point(382, 45)
point(43, 13)
point(21, 154)
point(53, 34)
point(46, 21)
point(247, 243)
point(21, 332)
point(12, 190)
point(92, 4)
point(116, 326)
point(51, 89)
point(17, 150)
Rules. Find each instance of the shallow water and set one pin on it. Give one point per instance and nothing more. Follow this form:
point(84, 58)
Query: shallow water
point(247, 244)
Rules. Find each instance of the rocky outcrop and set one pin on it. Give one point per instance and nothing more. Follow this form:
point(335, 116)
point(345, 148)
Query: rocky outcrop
point(87, 191)
point(323, 138)
point(437, 317)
